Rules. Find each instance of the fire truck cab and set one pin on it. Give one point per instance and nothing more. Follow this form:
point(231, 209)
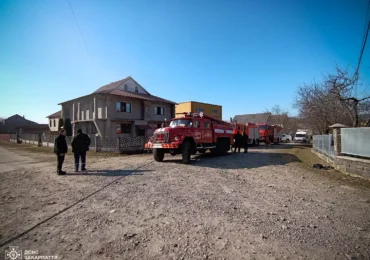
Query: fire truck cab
point(189, 134)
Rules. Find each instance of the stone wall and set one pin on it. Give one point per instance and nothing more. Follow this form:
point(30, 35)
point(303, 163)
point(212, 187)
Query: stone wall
point(351, 165)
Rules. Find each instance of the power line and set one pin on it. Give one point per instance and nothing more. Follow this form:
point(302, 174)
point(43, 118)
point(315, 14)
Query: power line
point(366, 33)
point(364, 40)
point(82, 36)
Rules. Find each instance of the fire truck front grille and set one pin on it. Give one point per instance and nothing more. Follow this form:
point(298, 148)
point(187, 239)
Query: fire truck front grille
point(161, 137)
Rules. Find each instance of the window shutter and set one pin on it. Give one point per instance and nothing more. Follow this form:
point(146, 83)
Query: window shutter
point(162, 110)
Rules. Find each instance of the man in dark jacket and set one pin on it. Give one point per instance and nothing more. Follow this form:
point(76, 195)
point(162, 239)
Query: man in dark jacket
point(238, 142)
point(245, 141)
point(80, 145)
point(60, 148)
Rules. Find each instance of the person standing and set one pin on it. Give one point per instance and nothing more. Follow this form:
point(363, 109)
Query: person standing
point(245, 140)
point(60, 149)
point(238, 142)
point(80, 145)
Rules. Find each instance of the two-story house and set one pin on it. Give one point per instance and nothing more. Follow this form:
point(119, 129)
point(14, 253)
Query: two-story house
point(121, 108)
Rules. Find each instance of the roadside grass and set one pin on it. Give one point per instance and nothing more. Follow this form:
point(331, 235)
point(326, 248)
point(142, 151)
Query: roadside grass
point(308, 159)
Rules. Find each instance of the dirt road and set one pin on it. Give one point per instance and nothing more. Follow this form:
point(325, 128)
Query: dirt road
point(267, 204)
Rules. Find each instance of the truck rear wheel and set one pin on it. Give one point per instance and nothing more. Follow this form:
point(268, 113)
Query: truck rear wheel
point(158, 155)
point(186, 152)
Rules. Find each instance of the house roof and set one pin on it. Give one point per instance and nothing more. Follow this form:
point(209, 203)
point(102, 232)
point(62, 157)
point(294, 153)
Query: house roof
point(253, 118)
point(22, 117)
point(55, 115)
point(111, 86)
point(112, 89)
point(118, 92)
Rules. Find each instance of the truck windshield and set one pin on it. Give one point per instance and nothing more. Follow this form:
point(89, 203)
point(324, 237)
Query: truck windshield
point(181, 122)
point(299, 135)
point(262, 127)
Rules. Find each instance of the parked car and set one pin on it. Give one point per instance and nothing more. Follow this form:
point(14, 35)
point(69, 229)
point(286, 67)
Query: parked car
point(286, 138)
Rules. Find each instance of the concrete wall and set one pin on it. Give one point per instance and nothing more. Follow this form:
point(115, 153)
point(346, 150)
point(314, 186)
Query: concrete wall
point(136, 108)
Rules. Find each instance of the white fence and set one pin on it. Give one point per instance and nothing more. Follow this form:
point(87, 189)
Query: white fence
point(324, 144)
point(356, 141)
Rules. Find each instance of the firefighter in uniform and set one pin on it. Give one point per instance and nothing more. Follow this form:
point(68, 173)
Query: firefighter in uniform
point(245, 140)
point(238, 142)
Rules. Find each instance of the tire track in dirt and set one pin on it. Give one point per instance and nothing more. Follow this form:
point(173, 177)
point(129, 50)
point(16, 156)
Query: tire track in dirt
point(72, 205)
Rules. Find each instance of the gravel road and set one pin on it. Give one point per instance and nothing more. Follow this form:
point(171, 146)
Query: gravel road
point(267, 204)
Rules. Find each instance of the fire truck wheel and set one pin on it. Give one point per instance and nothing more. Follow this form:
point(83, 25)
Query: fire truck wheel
point(173, 153)
point(158, 155)
point(186, 152)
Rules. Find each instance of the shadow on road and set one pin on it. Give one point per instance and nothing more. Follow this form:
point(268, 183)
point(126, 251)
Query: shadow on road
point(253, 159)
point(108, 173)
point(282, 146)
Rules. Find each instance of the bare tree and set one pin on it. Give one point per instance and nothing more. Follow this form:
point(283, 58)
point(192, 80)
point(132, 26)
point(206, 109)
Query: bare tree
point(342, 85)
point(3, 129)
point(280, 116)
point(331, 101)
point(319, 108)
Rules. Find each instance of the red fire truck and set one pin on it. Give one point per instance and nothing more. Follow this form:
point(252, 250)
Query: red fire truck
point(252, 131)
point(191, 133)
point(273, 133)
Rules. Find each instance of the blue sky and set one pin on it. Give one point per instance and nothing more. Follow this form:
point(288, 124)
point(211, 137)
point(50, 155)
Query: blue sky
point(244, 55)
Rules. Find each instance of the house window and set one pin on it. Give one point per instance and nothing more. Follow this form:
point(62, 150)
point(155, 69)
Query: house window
point(125, 87)
point(199, 109)
point(158, 110)
point(136, 89)
point(50, 123)
point(123, 129)
point(123, 107)
point(214, 111)
point(55, 123)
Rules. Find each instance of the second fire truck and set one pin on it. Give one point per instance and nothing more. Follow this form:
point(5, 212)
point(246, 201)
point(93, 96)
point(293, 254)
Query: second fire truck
point(270, 133)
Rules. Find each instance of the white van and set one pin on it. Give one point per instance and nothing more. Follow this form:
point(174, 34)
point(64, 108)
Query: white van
point(302, 137)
